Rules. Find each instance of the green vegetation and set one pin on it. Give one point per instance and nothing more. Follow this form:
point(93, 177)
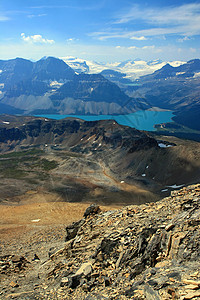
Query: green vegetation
point(13, 173)
point(27, 165)
point(66, 154)
point(47, 165)
point(31, 152)
point(178, 130)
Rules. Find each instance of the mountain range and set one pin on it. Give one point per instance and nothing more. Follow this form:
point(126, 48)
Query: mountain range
point(51, 86)
point(132, 69)
point(175, 88)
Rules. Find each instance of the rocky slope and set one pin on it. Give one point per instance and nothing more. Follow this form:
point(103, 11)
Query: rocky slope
point(186, 70)
point(149, 251)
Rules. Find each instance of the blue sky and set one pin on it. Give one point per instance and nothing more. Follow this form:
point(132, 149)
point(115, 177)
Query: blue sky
point(104, 30)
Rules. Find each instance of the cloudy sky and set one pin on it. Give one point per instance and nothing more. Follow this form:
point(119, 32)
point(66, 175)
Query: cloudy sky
point(101, 30)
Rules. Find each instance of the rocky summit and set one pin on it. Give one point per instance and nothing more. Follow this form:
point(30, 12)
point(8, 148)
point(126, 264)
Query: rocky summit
point(149, 251)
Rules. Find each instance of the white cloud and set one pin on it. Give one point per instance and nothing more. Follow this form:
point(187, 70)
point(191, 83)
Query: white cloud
point(132, 47)
point(138, 38)
point(36, 39)
point(71, 40)
point(36, 16)
point(183, 39)
point(138, 48)
point(184, 14)
point(95, 6)
point(193, 50)
point(148, 47)
point(181, 20)
point(3, 18)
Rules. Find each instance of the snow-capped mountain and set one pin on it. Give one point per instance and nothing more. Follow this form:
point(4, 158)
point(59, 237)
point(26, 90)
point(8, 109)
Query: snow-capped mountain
point(132, 68)
point(84, 66)
point(51, 86)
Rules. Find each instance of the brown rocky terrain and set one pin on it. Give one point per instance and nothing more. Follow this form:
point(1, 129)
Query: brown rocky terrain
point(51, 171)
point(99, 161)
point(150, 251)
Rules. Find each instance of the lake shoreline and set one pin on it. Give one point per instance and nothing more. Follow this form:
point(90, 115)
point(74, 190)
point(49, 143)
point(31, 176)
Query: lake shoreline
point(141, 120)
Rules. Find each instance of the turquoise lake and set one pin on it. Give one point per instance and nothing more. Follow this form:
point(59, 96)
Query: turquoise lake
point(143, 120)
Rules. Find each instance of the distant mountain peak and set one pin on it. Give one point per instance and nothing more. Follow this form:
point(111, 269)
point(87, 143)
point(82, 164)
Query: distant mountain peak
point(167, 67)
point(44, 58)
point(192, 61)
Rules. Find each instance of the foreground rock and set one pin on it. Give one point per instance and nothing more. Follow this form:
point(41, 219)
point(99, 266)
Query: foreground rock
point(150, 251)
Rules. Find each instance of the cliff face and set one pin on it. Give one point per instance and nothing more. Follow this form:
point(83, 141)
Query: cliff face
point(61, 131)
point(149, 251)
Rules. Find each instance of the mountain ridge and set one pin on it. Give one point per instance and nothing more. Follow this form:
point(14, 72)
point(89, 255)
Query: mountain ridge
point(50, 85)
point(174, 88)
point(131, 156)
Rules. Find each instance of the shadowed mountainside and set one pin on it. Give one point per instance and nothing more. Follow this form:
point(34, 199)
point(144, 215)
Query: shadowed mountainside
point(174, 88)
point(51, 86)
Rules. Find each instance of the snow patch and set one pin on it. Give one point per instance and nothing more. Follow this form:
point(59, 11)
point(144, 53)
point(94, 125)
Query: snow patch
point(165, 190)
point(5, 122)
point(177, 63)
point(180, 73)
point(196, 75)
point(122, 181)
point(174, 186)
point(56, 84)
point(162, 145)
point(143, 175)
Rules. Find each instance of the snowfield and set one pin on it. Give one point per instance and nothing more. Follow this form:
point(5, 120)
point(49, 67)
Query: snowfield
point(133, 69)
